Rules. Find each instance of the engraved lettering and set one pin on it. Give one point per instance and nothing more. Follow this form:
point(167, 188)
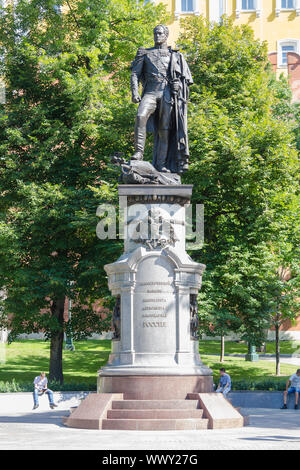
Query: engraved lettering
point(154, 315)
point(154, 324)
point(155, 283)
point(153, 308)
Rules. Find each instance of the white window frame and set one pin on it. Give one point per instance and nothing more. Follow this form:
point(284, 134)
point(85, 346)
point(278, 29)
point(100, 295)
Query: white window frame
point(286, 42)
point(248, 9)
point(257, 8)
point(195, 11)
point(279, 9)
point(221, 5)
point(287, 8)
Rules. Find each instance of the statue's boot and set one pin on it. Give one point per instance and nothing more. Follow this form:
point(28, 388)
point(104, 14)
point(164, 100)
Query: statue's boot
point(162, 169)
point(137, 156)
point(162, 152)
point(139, 140)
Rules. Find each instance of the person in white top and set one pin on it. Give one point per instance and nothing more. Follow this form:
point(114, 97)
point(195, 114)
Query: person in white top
point(292, 386)
point(40, 387)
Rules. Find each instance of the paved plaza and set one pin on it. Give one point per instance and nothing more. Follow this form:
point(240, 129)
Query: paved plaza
point(269, 429)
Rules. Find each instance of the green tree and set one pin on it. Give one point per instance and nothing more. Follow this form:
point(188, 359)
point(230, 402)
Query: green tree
point(243, 160)
point(286, 254)
point(67, 111)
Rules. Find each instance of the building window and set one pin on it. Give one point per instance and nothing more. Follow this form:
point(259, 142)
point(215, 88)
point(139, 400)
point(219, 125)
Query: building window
point(248, 5)
point(217, 8)
point(187, 5)
point(287, 4)
point(285, 46)
point(244, 6)
point(284, 51)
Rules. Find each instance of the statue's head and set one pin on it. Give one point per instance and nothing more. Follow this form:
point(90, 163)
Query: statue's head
point(161, 34)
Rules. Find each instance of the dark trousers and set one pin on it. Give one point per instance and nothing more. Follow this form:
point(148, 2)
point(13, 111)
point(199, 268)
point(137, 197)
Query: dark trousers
point(148, 105)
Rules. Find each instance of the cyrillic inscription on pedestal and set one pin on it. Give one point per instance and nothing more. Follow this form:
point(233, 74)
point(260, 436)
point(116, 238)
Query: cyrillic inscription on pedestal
point(155, 307)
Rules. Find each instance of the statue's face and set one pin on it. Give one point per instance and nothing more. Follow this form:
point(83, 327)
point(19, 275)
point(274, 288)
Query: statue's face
point(160, 36)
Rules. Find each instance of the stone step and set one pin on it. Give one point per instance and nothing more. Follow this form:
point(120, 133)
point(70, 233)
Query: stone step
point(154, 414)
point(155, 404)
point(246, 418)
point(154, 424)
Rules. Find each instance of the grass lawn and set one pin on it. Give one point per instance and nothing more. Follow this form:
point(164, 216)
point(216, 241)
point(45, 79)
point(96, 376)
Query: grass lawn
point(232, 347)
point(240, 370)
point(22, 360)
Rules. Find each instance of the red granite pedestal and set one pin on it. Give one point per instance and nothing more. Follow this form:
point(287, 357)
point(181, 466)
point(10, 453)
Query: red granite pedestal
point(112, 411)
point(159, 387)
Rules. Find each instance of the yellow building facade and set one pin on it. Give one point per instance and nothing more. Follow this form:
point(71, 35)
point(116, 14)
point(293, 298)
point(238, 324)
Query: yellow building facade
point(275, 21)
point(271, 20)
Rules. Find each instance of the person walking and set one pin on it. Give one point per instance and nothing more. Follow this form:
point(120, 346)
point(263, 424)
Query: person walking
point(292, 386)
point(40, 387)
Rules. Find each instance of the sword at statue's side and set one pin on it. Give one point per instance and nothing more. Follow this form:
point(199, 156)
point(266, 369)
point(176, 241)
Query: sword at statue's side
point(175, 96)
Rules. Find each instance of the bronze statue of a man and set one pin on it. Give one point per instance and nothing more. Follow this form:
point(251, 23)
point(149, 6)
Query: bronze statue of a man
point(165, 78)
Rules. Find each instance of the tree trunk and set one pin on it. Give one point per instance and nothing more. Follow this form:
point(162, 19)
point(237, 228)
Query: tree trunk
point(277, 348)
point(222, 349)
point(56, 343)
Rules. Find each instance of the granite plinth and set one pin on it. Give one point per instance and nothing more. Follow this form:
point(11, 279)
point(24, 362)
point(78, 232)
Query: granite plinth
point(155, 387)
point(91, 411)
point(219, 411)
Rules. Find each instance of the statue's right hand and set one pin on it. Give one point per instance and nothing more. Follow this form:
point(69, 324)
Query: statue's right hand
point(136, 98)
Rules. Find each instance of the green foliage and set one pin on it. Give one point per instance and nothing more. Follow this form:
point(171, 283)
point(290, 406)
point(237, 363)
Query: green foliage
point(27, 358)
point(67, 111)
point(23, 360)
point(270, 385)
point(244, 168)
point(13, 386)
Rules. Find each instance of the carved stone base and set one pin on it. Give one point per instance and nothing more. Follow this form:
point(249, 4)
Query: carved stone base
point(143, 172)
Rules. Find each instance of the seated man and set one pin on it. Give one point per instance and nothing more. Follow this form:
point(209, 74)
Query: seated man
point(224, 383)
point(292, 386)
point(40, 387)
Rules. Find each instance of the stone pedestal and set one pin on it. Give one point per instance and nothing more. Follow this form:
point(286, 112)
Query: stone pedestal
point(155, 283)
point(252, 355)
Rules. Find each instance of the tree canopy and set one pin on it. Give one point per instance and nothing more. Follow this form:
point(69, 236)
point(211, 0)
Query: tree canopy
point(67, 110)
point(244, 167)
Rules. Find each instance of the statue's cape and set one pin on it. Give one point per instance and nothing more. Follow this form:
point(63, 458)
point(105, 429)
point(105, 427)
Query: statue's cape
point(178, 149)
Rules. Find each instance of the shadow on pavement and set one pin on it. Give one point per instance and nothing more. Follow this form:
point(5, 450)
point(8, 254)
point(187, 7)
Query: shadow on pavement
point(46, 417)
point(275, 419)
point(271, 438)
